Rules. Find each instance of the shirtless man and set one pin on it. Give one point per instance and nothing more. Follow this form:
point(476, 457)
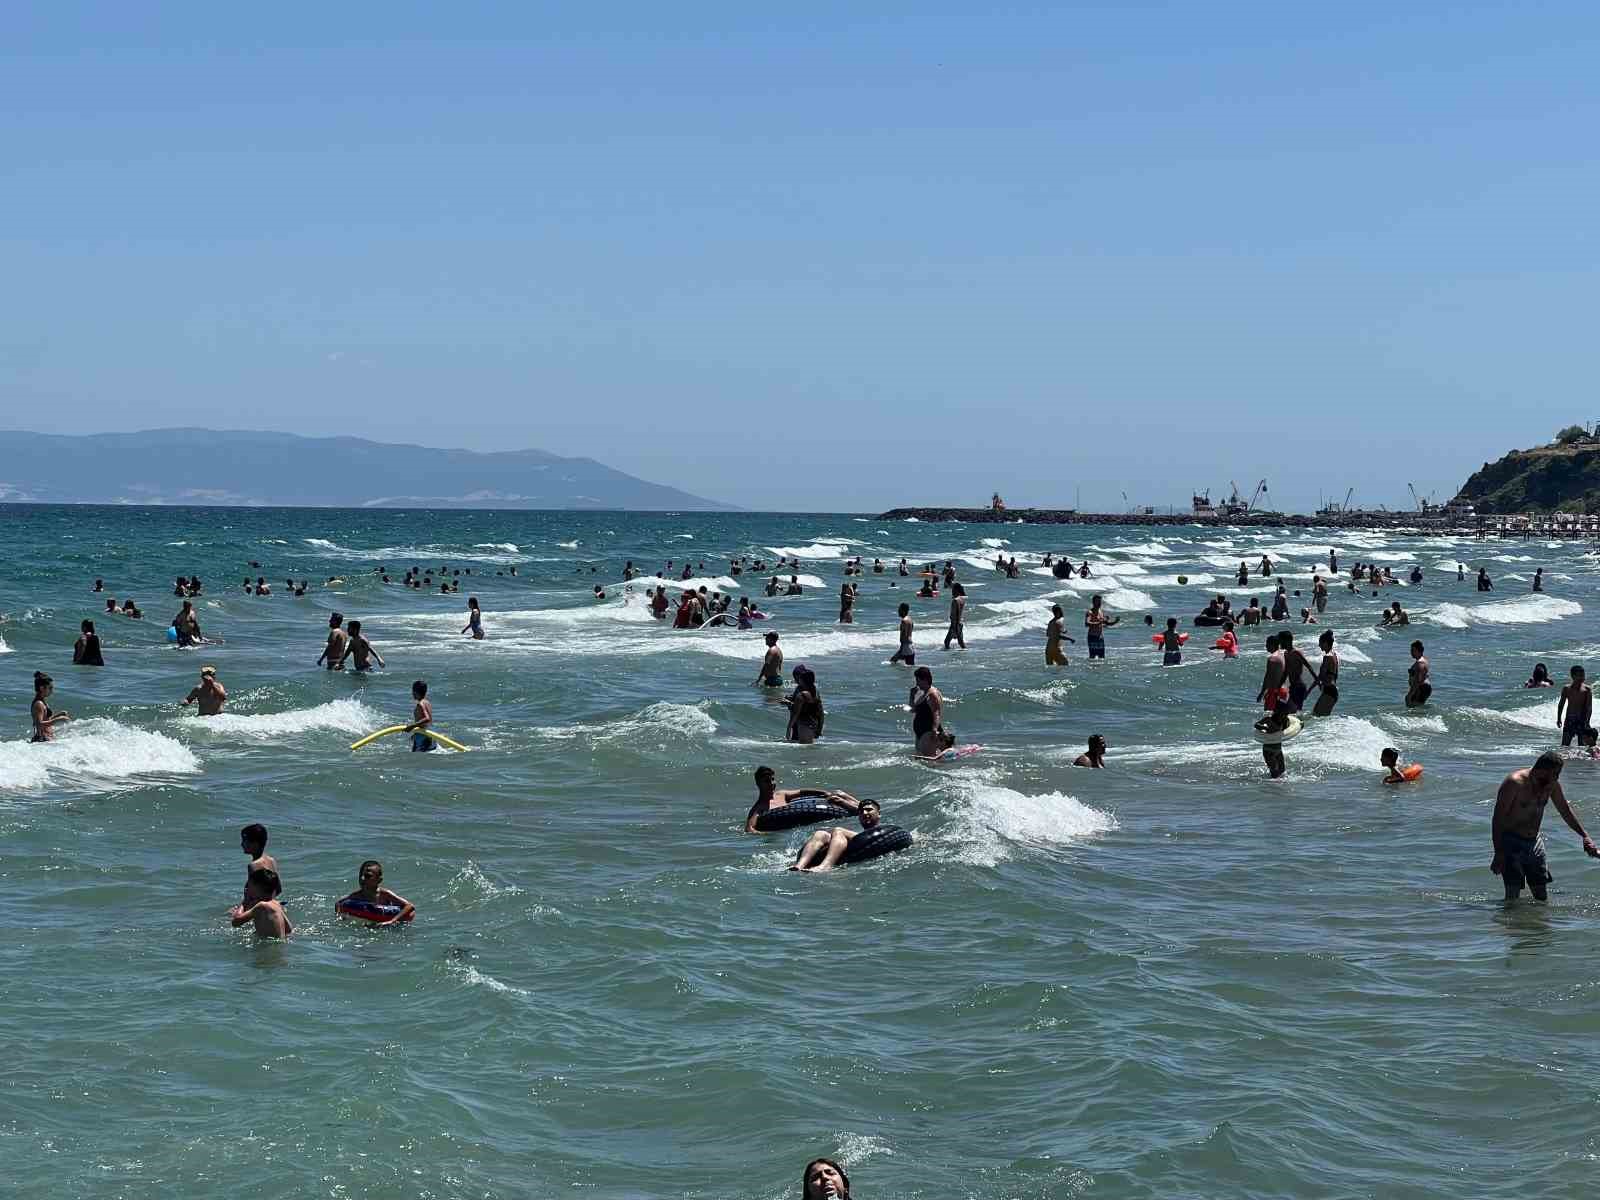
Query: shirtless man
point(1295, 667)
point(1420, 686)
point(253, 841)
point(769, 796)
point(362, 650)
point(907, 652)
point(1519, 856)
point(187, 625)
point(1273, 692)
point(1097, 621)
point(1054, 635)
point(826, 847)
point(338, 640)
point(261, 907)
point(771, 673)
point(958, 617)
point(1395, 615)
point(1096, 756)
point(210, 695)
point(1577, 701)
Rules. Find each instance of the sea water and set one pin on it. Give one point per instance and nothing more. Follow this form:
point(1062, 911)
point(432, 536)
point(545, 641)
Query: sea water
point(1173, 977)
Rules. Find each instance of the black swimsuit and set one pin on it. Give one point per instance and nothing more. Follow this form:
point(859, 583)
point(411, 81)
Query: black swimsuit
point(921, 715)
point(37, 736)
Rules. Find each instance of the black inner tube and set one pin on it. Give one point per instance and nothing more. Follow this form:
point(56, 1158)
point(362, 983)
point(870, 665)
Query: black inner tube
point(874, 843)
point(801, 812)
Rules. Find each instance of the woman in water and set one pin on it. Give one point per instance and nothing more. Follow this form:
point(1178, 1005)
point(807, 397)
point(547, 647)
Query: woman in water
point(474, 619)
point(1327, 676)
point(847, 604)
point(44, 720)
point(824, 1179)
point(86, 650)
point(927, 714)
point(1541, 677)
point(805, 708)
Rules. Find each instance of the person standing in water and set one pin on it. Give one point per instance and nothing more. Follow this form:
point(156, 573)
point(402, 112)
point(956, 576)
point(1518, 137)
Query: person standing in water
point(847, 604)
point(1519, 853)
point(210, 695)
point(86, 650)
point(805, 708)
point(338, 640)
point(361, 650)
point(771, 673)
point(958, 617)
point(1327, 676)
point(1054, 635)
point(1420, 686)
point(1096, 755)
point(907, 653)
point(1171, 644)
point(1538, 580)
point(474, 623)
point(1577, 702)
point(421, 718)
point(1096, 621)
point(927, 714)
point(44, 718)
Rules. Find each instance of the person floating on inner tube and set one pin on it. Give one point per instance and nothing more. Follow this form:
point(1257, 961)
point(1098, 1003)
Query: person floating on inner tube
point(372, 894)
point(769, 797)
point(827, 848)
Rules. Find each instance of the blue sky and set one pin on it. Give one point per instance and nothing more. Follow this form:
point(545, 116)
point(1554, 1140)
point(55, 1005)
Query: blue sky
point(838, 257)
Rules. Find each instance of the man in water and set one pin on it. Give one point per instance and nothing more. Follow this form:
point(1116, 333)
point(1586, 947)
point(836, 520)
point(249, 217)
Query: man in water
point(1097, 622)
point(362, 650)
point(1519, 855)
point(1485, 584)
point(958, 617)
point(1577, 701)
point(1096, 757)
point(1420, 687)
point(769, 796)
point(1273, 694)
point(824, 848)
point(210, 695)
point(907, 652)
point(421, 718)
point(771, 673)
point(1054, 635)
point(338, 640)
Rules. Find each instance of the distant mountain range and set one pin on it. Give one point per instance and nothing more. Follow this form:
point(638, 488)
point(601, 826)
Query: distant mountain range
point(217, 467)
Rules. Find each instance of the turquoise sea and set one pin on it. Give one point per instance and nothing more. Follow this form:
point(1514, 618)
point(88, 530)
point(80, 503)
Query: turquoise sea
point(1171, 978)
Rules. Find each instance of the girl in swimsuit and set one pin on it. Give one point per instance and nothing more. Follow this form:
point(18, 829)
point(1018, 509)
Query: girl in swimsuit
point(474, 619)
point(1327, 676)
point(805, 709)
point(44, 720)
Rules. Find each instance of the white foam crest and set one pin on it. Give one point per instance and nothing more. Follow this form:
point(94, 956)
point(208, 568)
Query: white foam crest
point(994, 543)
point(470, 974)
point(694, 583)
point(573, 545)
point(407, 556)
point(814, 550)
point(1348, 742)
point(661, 720)
point(5, 649)
point(989, 823)
point(345, 716)
point(1524, 610)
point(471, 882)
point(1534, 716)
point(508, 547)
point(1347, 653)
point(93, 751)
point(1414, 724)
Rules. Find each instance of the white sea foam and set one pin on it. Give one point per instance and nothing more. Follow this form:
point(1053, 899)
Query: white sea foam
point(344, 716)
point(573, 545)
point(1524, 610)
point(1347, 742)
point(470, 974)
point(994, 543)
point(508, 547)
point(92, 753)
point(409, 555)
point(657, 723)
point(470, 884)
point(1414, 724)
point(1534, 716)
point(990, 823)
point(815, 550)
point(4, 649)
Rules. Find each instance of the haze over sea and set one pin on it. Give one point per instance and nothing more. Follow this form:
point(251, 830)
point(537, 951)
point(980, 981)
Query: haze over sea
point(1170, 978)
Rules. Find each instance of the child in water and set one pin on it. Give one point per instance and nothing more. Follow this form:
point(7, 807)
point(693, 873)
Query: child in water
point(261, 907)
point(1228, 643)
point(421, 717)
point(372, 892)
point(1390, 759)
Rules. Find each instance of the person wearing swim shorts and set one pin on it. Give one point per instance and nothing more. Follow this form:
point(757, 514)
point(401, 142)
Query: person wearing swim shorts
point(210, 695)
point(927, 715)
point(770, 796)
point(421, 718)
point(824, 848)
point(907, 652)
point(771, 673)
point(1420, 686)
point(1274, 696)
point(1295, 669)
point(1519, 851)
point(1054, 635)
point(1577, 703)
point(360, 649)
point(1097, 621)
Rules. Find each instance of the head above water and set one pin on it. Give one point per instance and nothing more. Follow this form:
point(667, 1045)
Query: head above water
point(923, 676)
point(253, 839)
point(1389, 756)
point(821, 1176)
point(419, 689)
point(1547, 767)
point(264, 882)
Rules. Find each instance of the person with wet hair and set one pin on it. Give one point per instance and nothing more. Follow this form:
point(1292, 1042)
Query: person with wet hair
point(44, 718)
point(1519, 852)
point(86, 650)
point(824, 1179)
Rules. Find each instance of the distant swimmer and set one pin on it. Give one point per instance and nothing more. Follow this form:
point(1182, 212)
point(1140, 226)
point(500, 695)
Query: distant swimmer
point(772, 586)
point(825, 849)
point(1395, 616)
point(1519, 853)
point(1419, 686)
point(1577, 703)
point(130, 609)
point(958, 617)
point(659, 603)
point(187, 625)
point(1097, 621)
point(111, 607)
point(261, 907)
point(1319, 594)
point(1228, 643)
point(1327, 676)
point(806, 715)
point(1540, 677)
point(253, 841)
point(86, 650)
point(1461, 572)
point(1096, 755)
point(769, 797)
point(1251, 614)
point(421, 718)
point(1054, 634)
point(1171, 644)
point(927, 715)
point(794, 588)
point(474, 623)
point(1280, 605)
point(361, 649)
point(771, 673)
point(338, 641)
point(1266, 566)
point(1485, 584)
point(1538, 580)
point(1389, 759)
point(209, 694)
point(371, 894)
point(1333, 563)
point(907, 653)
point(44, 718)
point(1244, 575)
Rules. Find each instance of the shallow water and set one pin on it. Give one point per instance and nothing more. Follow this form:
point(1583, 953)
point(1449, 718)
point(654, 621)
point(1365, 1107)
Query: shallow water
point(1170, 978)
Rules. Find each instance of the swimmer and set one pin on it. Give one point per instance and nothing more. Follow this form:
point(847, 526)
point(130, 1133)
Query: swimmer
point(958, 616)
point(1096, 755)
point(261, 907)
point(1538, 580)
point(361, 649)
point(1274, 695)
point(1054, 635)
point(1296, 666)
point(1519, 853)
point(826, 847)
point(770, 796)
point(847, 604)
point(130, 609)
point(370, 877)
point(474, 623)
point(1327, 676)
point(907, 652)
point(210, 695)
point(824, 1179)
point(338, 640)
point(806, 716)
point(1420, 686)
point(1577, 702)
point(1171, 644)
point(771, 672)
point(253, 841)
point(927, 715)
point(1228, 643)
point(421, 718)
point(187, 625)
point(1540, 677)
point(1097, 621)
point(1390, 760)
point(794, 588)
point(86, 650)
point(111, 607)
point(1306, 618)
point(1485, 584)
point(1395, 616)
point(44, 718)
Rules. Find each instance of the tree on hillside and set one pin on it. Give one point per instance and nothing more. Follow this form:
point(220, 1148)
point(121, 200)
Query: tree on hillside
point(1571, 434)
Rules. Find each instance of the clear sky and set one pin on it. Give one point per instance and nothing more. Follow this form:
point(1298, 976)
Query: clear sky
point(839, 256)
